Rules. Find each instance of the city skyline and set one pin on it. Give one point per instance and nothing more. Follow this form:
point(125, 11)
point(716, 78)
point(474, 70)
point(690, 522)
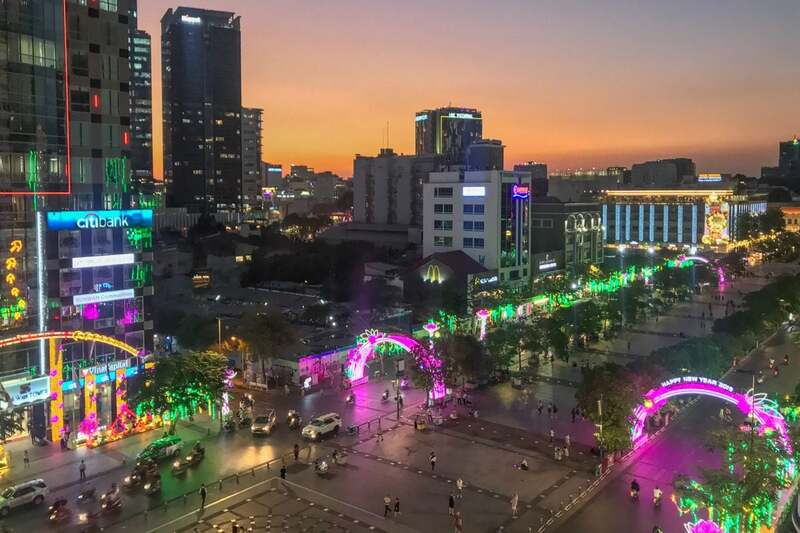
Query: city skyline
point(573, 85)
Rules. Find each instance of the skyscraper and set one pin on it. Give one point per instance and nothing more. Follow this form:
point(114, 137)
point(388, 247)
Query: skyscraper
point(251, 157)
point(141, 105)
point(789, 159)
point(447, 131)
point(202, 107)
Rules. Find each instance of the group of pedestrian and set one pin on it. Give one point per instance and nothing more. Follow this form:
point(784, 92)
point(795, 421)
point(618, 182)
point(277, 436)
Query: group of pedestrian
point(388, 510)
point(458, 519)
point(576, 412)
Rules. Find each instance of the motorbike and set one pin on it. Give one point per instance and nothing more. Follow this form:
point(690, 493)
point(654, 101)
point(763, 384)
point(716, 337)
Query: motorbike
point(110, 502)
point(230, 424)
point(657, 501)
point(140, 472)
point(385, 396)
point(634, 495)
point(58, 512)
point(351, 399)
point(153, 486)
point(293, 419)
point(321, 468)
point(182, 465)
point(339, 458)
point(89, 493)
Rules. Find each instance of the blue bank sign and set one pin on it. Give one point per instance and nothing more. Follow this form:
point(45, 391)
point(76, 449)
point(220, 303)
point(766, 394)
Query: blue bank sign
point(76, 220)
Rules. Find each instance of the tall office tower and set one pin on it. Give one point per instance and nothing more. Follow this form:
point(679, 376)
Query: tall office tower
point(485, 214)
point(251, 157)
point(202, 105)
point(789, 159)
point(447, 131)
point(141, 106)
point(485, 154)
point(65, 193)
point(538, 172)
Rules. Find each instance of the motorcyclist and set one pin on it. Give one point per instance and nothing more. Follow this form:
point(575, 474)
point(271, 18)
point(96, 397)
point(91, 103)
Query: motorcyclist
point(635, 488)
point(657, 529)
point(385, 394)
point(786, 359)
point(350, 398)
point(524, 464)
point(657, 496)
point(198, 448)
point(771, 362)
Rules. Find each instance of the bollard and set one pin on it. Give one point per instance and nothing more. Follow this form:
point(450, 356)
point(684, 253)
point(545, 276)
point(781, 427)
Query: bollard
point(379, 423)
point(208, 432)
point(237, 478)
point(368, 425)
point(185, 499)
point(253, 471)
point(220, 484)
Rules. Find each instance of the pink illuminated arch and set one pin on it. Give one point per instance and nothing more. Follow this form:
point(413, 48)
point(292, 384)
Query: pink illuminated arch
point(358, 356)
point(758, 407)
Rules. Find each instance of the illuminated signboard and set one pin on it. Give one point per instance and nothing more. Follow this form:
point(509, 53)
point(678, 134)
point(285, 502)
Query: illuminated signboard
point(191, 20)
point(100, 297)
point(520, 192)
point(76, 220)
point(474, 191)
point(486, 280)
point(460, 115)
point(420, 118)
point(547, 264)
point(25, 391)
point(709, 178)
point(13, 305)
point(102, 260)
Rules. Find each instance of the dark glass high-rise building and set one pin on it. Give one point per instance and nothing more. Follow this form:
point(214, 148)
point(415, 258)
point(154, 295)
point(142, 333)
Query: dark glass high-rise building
point(202, 106)
point(141, 105)
point(789, 159)
point(447, 131)
point(251, 157)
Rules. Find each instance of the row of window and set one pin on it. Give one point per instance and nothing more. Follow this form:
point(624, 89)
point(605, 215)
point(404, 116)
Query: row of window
point(542, 223)
point(443, 192)
point(470, 242)
point(447, 225)
point(469, 209)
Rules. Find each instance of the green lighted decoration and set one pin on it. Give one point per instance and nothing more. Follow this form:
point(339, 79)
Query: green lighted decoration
point(142, 274)
point(116, 172)
point(140, 238)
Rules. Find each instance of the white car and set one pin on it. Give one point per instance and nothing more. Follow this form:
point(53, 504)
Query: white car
point(322, 425)
point(14, 496)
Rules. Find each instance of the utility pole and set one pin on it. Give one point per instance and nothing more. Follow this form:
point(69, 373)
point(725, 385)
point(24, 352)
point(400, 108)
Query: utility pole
point(600, 426)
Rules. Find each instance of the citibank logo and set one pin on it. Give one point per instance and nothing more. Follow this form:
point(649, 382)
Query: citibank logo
point(93, 221)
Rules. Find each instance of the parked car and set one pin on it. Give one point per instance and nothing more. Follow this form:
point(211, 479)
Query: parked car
point(163, 448)
point(264, 424)
point(14, 496)
point(322, 425)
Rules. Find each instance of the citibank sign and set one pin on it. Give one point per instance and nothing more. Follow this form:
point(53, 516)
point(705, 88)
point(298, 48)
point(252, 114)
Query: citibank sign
point(76, 220)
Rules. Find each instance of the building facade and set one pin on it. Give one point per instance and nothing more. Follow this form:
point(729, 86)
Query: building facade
point(538, 172)
point(679, 217)
point(202, 105)
point(580, 185)
point(387, 188)
point(485, 214)
point(251, 157)
point(566, 236)
point(141, 104)
point(447, 132)
point(789, 159)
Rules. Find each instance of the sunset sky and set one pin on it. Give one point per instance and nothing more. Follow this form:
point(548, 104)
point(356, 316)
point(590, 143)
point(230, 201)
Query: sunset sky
point(566, 82)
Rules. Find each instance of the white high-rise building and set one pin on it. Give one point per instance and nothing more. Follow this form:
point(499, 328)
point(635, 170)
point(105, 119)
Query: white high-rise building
point(485, 214)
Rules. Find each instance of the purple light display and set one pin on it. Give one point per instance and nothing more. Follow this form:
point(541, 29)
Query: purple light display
point(358, 357)
point(758, 407)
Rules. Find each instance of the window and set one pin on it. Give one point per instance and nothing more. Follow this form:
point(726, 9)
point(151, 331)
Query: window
point(468, 242)
point(443, 208)
point(478, 225)
point(478, 243)
point(444, 225)
point(468, 225)
point(468, 209)
point(443, 192)
point(442, 241)
point(473, 209)
point(478, 209)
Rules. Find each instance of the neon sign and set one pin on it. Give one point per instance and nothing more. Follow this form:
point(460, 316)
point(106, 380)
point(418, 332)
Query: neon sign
point(80, 336)
point(100, 297)
point(520, 192)
point(191, 20)
point(18, 306)
point(115, 218)
point(102, 260)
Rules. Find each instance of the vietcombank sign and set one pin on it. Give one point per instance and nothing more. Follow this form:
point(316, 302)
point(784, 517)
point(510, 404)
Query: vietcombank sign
point(77, 220)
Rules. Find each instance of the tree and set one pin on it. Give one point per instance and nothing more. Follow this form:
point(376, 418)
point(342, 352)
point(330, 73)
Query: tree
point(747, 226)
point(502, 343)
point(771, 220)
point(556, 338)
point(181, 384)
point(741, 494)
point(620, 390)
point(10, 424)
point(265, 335)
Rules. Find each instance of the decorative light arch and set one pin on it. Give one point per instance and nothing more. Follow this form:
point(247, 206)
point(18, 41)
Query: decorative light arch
point(365, 350)
point(758, 407)
point(81, 336)
point(701, 259)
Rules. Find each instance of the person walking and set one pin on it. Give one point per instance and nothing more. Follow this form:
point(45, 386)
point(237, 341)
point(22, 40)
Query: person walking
point(26, 459)
point(567, 441)
point(540, 407)
point(451, 505)
point(550, 410)
point(514, 503)
point(552, 435)
point(396, 507)
point(387, 506)
point(296, 451)
point(283, 471)
point(555, 410)
point(82, 470)
point(573, 413)
point(460, 487)
point(203, 494)
point(432, 459)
